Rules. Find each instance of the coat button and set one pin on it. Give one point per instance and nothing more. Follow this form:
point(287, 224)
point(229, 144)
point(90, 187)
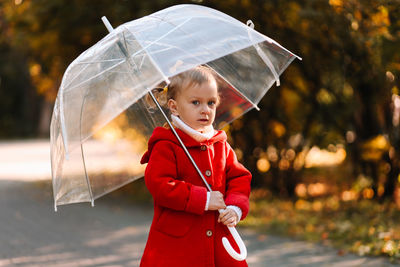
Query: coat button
point(203, 148)
point(209, 233)
point(208, 173)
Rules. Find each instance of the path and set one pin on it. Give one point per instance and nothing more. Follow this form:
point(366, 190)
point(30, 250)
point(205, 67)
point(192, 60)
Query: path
point(113, 233)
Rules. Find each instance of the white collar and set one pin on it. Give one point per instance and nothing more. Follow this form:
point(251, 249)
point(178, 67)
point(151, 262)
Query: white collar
point(196, 135)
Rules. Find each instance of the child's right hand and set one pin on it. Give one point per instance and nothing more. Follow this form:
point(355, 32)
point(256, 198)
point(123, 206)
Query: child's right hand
point(216, 201)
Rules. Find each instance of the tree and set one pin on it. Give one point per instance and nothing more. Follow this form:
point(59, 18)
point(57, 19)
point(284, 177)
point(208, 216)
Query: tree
point(345, 91)
point(49, 35)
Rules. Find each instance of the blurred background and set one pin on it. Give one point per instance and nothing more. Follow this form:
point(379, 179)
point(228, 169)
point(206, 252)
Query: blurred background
point(324, 149)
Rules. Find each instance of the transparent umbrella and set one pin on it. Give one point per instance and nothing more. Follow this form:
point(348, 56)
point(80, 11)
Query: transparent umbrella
point(101, 121)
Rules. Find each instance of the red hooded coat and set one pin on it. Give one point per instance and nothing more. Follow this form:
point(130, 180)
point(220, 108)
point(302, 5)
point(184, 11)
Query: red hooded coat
point(182, 232)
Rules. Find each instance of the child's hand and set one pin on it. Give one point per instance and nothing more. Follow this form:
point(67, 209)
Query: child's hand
point(216, 201)
point(228, 217)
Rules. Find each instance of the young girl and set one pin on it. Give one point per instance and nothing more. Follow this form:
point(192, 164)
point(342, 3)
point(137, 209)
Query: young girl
point(187, 228)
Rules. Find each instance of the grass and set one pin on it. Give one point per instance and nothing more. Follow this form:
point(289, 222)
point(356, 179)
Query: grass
point(364, 227)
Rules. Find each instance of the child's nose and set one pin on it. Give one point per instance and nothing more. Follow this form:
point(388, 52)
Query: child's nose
point(205, 109)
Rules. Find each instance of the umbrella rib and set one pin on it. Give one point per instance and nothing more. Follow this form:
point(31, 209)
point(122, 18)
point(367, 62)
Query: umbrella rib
point(95, 76)
point(169, 47)
point(83, 156)
point(125, 51)
point(77, 75)
point(99, 61)
point(198, 17)
point(142, 61)
point(87, 177)
point(63, 128)
point(162, 36)
point(269, 64)
point(237, 90)
point(261, 53)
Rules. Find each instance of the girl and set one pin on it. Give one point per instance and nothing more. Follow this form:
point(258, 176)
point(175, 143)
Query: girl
point(187, 228)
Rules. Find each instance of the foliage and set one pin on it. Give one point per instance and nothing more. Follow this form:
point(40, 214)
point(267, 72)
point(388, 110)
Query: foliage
point(342, 92)
point(17, 98)
point(345, 91)
point(41, 38)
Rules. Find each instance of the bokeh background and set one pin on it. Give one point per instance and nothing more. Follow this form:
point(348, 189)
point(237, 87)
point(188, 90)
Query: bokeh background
point(324, 149)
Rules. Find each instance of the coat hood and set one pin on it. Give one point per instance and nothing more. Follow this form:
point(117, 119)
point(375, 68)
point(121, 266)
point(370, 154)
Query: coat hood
point(162, 133)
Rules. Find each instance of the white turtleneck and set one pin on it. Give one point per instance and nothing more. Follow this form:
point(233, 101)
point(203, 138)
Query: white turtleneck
point(201, 137)
point(196, 135)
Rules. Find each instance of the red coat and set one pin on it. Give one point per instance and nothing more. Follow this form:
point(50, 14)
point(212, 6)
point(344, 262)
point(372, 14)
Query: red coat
point(182, 233)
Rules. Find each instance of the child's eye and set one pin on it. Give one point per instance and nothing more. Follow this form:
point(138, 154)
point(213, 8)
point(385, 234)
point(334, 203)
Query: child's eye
point(195, 102)
point(211, 103)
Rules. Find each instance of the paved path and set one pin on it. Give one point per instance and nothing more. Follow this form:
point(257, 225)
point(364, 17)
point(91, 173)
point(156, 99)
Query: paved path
point(113, 233)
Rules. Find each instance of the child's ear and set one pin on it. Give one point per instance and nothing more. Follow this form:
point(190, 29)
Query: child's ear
point(172, 107)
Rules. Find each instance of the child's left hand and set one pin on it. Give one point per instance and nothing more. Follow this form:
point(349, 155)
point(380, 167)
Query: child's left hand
point(228, 217)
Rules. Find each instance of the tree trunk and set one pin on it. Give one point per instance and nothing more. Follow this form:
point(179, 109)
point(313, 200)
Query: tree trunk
point(391, 177)
point(45, 118)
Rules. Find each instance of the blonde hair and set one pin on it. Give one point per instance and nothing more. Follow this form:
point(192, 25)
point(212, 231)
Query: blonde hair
point(195, 76)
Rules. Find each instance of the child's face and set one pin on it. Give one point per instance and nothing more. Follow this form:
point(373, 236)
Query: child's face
point(196, 105)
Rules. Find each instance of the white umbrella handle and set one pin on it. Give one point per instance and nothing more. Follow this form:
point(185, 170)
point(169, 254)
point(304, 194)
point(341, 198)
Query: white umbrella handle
point(239, 242)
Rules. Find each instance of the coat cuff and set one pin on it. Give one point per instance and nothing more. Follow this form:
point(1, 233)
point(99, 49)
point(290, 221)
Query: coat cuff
point(208, 200)
point(197, 199)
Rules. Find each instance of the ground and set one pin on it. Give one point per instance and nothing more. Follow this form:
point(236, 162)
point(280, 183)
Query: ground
point(114, 231)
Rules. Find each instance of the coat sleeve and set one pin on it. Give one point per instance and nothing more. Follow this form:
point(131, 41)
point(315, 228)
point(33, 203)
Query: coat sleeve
point(237, 183)
point(166, 188)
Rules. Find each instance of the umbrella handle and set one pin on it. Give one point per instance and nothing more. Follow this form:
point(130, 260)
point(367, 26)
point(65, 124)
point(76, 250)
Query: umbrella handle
point(242, 248)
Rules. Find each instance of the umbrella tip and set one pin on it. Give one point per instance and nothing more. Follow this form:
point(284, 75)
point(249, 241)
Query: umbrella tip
point(107, 23)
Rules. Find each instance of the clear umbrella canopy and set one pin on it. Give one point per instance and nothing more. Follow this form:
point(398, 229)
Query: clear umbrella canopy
point(101, 120)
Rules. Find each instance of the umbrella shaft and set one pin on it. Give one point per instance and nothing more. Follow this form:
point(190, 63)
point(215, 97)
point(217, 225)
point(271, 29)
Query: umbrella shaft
point(180, 141)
